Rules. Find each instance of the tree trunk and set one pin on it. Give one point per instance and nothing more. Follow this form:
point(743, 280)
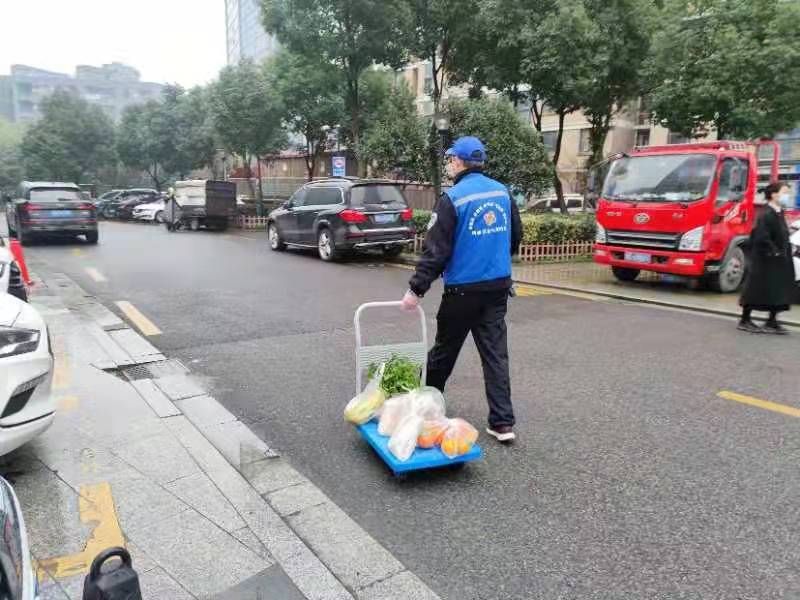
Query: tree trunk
point(559, 188)
point(536, 113)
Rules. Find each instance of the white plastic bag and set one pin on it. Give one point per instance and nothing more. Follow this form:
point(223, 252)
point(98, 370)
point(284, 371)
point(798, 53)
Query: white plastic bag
point(404, 438)
point(368, 403)
point(429, 403)
point(459, 438)
point(395, 410)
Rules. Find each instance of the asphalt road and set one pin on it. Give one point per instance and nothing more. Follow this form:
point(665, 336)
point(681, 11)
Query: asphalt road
point(630, 479)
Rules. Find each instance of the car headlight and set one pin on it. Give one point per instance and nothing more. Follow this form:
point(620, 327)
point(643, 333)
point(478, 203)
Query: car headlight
point(692, 240)
point(600, 234)
point(16, 340)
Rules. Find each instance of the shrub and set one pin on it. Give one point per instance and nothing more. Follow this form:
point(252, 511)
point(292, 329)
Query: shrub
point(420, 220)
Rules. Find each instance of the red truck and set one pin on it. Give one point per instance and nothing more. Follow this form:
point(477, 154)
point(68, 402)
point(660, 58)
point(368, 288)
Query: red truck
point(682, 209)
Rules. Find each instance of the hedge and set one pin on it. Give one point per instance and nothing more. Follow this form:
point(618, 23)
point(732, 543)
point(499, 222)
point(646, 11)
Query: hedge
point(547, 228)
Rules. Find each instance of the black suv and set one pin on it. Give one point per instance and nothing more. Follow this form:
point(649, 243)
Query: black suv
point(49, 208)
point(342, 215)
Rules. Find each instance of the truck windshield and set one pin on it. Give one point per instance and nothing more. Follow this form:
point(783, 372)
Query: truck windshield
point(660, 178)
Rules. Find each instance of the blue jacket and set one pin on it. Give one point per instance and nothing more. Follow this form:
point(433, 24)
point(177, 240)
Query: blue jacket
point(471, 237)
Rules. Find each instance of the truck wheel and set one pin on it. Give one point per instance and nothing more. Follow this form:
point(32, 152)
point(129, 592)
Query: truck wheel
point(92, 237)
point(731, 272)
point(159, 218)
point(194, 224)
point(625, 274)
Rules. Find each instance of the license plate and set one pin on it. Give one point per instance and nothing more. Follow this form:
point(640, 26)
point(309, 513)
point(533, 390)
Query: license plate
point(58, 214)
point(383, 219)
point(637, 257)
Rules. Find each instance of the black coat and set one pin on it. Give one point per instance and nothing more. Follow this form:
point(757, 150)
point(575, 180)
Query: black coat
point(770, 279)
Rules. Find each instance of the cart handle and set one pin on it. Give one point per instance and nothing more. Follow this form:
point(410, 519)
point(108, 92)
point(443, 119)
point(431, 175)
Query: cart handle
point(397, 303)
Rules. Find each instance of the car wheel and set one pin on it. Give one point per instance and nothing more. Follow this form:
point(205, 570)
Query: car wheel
point(274, 237)
point(393, 251)
point(93, 237)
point(326, 245)
point(731, 273)
point(159, 218)
point(625, 274)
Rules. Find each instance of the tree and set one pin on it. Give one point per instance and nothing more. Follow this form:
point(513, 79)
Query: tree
point(310, 91)
point(247, 114)
point(194, 135)
point(145, 141)
point(396, 137)
point(11, 168)
point(72, 140)
point(350, 34)
point(726, 65)
point(517, 157)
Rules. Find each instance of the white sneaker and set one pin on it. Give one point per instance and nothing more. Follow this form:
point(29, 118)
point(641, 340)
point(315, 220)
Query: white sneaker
point(502, 433)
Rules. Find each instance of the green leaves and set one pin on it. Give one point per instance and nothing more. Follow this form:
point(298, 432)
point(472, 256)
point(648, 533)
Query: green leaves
point(400, 375)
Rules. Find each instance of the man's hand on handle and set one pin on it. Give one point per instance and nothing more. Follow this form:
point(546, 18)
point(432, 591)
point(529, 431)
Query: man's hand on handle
point(410, 301)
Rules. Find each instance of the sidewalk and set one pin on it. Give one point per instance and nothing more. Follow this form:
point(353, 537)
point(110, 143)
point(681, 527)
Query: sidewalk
point(141, 456)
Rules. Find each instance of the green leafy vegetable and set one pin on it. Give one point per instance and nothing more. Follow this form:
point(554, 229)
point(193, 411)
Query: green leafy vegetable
point(399, 376)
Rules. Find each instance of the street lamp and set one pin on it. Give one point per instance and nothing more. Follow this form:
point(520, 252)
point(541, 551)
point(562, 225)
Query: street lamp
point(441, 123)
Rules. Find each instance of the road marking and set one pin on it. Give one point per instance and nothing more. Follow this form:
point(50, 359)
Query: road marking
point(765, 404)
point(144, 324)
point(67, 403)
point(95, 505)
point(77, 252)
point(527, 291)
point(95, 274)
point(61, 379)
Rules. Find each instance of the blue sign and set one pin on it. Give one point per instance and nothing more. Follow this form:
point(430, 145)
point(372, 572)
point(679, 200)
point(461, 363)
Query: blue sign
point(339, 166)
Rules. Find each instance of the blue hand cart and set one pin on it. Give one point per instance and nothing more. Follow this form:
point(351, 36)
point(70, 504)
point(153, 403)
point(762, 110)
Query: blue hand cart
point(422, 458)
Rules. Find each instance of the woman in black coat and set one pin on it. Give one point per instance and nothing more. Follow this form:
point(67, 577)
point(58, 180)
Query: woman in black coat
point(770, 282)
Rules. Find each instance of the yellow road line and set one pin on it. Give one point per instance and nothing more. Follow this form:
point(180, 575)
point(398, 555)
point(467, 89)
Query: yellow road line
point(61, 379)
point(765, 404)
point(144, 324)
point(67, 403)
point(95, 274)
point(527, 291)
point(95, 505)
point(77, 252)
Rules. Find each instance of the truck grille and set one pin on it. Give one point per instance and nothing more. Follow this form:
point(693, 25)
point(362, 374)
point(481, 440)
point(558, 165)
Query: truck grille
point(644, 239)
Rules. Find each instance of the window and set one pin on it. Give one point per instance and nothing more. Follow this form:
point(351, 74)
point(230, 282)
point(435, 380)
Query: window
point(585, 142)
point(549, 139)
point(54, 195)
point(643, 138)
point(322, 196)
point(382, 196)
point(732, 181)
point(297, 198)
point(677, 138)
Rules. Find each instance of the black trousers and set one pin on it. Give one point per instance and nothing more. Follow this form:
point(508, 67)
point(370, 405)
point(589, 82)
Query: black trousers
point(484, 315)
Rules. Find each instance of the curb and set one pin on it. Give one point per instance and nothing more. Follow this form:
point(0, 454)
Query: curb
point(413, 261)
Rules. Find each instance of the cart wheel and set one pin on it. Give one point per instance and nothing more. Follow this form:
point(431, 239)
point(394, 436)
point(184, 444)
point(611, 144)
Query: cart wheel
point(194, 225)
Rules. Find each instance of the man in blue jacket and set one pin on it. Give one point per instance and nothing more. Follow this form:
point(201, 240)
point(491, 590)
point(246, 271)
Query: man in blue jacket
point(472, 234)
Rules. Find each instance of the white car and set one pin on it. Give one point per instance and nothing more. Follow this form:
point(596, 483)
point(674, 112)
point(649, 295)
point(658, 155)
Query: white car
point(10, 276)
point(27, 405)
point(153, 211)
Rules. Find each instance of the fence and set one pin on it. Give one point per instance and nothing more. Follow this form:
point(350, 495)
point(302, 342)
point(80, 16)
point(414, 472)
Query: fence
point(250, 222)
point(539, 252)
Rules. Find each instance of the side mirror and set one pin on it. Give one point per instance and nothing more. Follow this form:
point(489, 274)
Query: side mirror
point(287, 205)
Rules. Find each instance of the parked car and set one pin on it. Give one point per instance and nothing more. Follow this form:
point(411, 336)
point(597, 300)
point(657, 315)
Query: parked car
point(152, 211)
point(10, 274)
point(50, 208)
point(101, 202)
point(125, 208)
point(27, 405)
point(109, 208)
point(575, 204)
point(342, 215)
point(17, 572)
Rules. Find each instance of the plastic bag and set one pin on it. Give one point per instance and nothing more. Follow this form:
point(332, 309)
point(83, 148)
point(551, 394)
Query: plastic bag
point(429, 403)
point(395, 410)
point(432, 432)
point(404, 438)
point(367, 404)
point(459, 438)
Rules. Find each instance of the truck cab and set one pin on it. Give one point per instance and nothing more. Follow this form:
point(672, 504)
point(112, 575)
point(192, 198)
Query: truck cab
point(683, 209)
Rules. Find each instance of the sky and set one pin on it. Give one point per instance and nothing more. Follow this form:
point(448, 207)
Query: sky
point(167, 41)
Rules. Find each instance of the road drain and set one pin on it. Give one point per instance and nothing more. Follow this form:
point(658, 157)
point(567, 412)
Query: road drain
point(153, 370)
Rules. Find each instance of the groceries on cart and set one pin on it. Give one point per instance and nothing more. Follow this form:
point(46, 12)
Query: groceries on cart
point(403, 420)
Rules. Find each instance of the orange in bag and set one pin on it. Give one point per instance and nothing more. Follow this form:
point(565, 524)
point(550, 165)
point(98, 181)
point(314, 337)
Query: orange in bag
point(432, 432)
point(458, 439)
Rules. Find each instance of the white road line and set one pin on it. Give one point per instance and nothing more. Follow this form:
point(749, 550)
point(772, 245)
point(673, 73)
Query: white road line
point(95, 274)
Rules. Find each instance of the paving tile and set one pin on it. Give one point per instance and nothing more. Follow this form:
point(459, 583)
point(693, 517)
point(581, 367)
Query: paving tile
point(200, 493)
point(353, 556)
point(133, 344)
point(106, 319)
point(199, 448)
point(158, 585)
point(161, 458)
point(178, 387)
point(293, 499)
point(200, 556)
point(404, 585)
point(109, 346)
point(271, 584)
point(249, 539)
point(312, 577)
point(271, 474)
point(141, 561)
point(204, 410)
point(155, 398)
point(236, 442)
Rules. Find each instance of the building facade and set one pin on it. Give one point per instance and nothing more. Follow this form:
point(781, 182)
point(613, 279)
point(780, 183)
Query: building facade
point(244, 32)
point(112, 87)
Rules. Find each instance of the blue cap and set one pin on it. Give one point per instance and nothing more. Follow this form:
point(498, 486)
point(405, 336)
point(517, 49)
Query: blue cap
point(468, 148)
